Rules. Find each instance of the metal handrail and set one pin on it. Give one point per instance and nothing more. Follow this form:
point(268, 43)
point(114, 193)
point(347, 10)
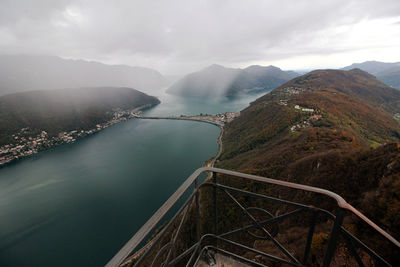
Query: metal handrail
point(140, 235)
point(153, 221)
point(340, 201)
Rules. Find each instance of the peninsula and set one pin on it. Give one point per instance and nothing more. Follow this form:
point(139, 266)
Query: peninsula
point(38, 120)
point(219, 119)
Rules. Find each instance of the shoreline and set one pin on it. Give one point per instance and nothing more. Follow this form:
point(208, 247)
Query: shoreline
point(63, 138)
point(220, 125)
point(72, 136)
point(219, 141)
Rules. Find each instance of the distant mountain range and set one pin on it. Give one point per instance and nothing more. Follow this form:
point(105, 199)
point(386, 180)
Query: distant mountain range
point(389, 73)
point(60, 110)
point(217, 80)
point(26, 73)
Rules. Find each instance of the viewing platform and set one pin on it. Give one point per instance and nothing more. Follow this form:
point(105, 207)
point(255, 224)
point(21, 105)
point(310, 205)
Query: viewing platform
point(238, 219)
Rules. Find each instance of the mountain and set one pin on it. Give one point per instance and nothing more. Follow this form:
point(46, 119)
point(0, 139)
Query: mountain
point(389, 73)
point(353, 103)
point(55, 111)
point(217, 80)
point(331, 129)
point(390, 77)
point(27, 73)
point(373, 67)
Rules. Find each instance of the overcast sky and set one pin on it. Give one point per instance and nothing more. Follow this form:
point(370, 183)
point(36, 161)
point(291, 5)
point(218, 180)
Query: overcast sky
point(176, 37)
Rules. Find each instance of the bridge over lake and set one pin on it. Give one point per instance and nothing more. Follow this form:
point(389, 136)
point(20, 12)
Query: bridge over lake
point(216, 120)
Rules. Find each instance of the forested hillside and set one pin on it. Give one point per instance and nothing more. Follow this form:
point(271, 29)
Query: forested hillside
point(331, 129)
point(65, 110)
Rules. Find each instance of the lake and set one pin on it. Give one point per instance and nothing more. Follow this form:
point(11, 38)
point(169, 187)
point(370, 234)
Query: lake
point(77, 204)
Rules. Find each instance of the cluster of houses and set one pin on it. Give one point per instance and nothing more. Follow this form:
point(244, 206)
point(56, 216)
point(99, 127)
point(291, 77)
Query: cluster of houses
point(397, 116)
point(227, 116)
point(292, 90)
point(219, 119)
point(304, 109)
point(306, 123)
point(284, 94)
point(25, 143)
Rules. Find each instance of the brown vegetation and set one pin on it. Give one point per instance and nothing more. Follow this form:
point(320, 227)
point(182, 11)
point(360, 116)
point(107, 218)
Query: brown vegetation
point(352, 150)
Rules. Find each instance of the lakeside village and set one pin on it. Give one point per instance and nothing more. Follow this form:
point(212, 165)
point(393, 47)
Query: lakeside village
point(219, 119)
point(25, 145)
point(314, 113)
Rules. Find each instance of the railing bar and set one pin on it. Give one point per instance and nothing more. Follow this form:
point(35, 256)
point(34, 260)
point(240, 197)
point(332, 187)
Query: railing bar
point(340, 201)
point(257, 251)
point(353, 250)
point(236, 244)
point(310, 236)
point(372, 224)
point(183, 255)
point(263, 196)
point(198, 258)
point(214, 175)
point(158, 237)
point(267, 197)
point(273, 199)
point(276, 242)
point(333, 239)
point(253, 263)
point(163, 231)
point(263, 223)
point(198, 245)
point(177, 233)
point(194, 251)
point(158, 253)
point(364, 247)
point(131, 245)
point(153, 221)
point(196, 184)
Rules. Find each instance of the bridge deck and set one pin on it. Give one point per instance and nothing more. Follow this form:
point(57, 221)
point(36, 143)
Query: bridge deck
point(181, 118)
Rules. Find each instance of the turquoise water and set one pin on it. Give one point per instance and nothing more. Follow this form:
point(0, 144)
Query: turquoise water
point(77, 204)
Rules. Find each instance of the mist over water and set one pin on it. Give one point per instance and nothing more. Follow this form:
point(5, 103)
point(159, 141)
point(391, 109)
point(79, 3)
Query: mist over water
point(179, 105)
point(78, 204)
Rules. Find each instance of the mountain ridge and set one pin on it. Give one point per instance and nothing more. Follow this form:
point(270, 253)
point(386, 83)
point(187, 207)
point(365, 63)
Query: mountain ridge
point(389, 73)
point(217, 80)
point(27, 73)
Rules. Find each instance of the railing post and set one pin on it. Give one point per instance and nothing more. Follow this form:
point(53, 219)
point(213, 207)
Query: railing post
point(214, 175)
point(196, 183)
point(310, 235)
point(330, 252)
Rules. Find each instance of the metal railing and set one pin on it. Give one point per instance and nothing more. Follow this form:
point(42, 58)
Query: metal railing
point(215, 241)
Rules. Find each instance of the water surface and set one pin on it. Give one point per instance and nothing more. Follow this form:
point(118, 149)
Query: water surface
point(77, 204)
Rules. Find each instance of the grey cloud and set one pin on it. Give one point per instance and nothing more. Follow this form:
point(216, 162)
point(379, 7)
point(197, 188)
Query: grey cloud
point(179, 35)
